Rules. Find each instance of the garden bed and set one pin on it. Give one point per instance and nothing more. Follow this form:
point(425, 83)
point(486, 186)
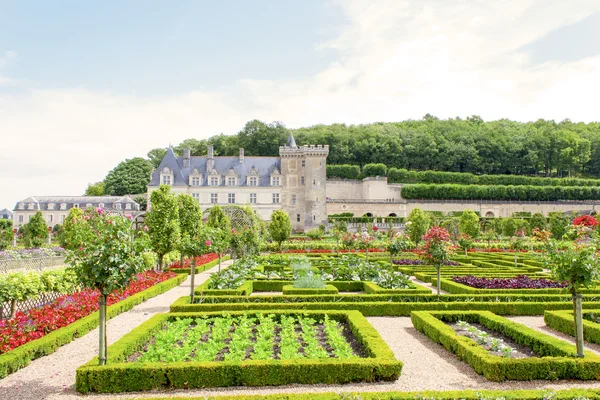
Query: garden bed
point(557, 358)
point(457, 288)
point(562, 321)
point(236, 349)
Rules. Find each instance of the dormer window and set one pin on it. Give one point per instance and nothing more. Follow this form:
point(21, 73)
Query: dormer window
point(214, 181)
point(195, 181)
point(275, 181)
point(88, 205)
point(101, 205)
point(76, 205)
point(128, 206)
point(118, 206)
point(166, 176)
point(21, 206)
point(63, 206)
point(50, 206)
point(253, 181)
point(195, 178)
point(30, 206)
point(231, 181)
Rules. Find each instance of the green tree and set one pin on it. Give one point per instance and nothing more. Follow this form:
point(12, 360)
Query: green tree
point(156, 156)
point(190, 214)
point(579, 267)
point(509, 226)
point(417, 225)
point(163, 222)
point(221, 237)
point(106, 257)
point(198, 243)
point(538, 221)
point(95, 189)
point(35, 232)
point(280, 227)
point(437, 250)
point(465, 242)
point(469, 223)
point(129, 177)
point(559, 225)
point(397, 244)
point(6, 233)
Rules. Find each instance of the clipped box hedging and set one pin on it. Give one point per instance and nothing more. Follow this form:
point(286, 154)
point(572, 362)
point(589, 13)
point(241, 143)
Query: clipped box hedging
point(569, 394)
point(328, 289)
point(458, 288)
point(563, 321)
point(199, 268)
point(23, 355)
point(119, 376)
point(244, 290)
point(557, 358)
point(381, 308)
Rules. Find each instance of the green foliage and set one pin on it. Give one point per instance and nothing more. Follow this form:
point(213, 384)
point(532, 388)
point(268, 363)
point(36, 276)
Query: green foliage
point(469, 223)
point(6, 233)
point(163, 221)
point(559, 224)
point(280, 226)
point(95, 189)
point(499, 192)
point(190, 215)
point(119, 376)
point(344, 171)
point(578, 266)
point(69, 238)
point(316, 233)
point(398, 244)
point(129, 177)
point(48, 344)
point(538, 221)
point(221, 233)
point(417, 225)
point(35, 232)
point(509, 226)
point(556, 359)
point(379, 169)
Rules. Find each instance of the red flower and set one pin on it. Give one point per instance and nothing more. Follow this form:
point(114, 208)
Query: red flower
point(586, 220)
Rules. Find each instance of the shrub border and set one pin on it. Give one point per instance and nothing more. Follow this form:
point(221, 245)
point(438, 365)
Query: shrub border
point(458, 288)
point(21, 356)
point(118, 376)
point(562, 321)
point(557, 358)
point(291, 290)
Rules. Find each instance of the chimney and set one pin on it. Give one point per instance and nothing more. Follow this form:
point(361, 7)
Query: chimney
point(210, 159)
point(186, 158)
point(210, 151)
point(241, 155)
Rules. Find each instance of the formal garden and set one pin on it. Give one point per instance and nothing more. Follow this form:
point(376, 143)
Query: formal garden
point(218, 303)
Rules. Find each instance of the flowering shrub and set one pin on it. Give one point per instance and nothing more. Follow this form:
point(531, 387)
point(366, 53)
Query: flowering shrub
point(518, 282)
point(586, 220)
point(437, 250)
point(200, 260)
point(35, 323)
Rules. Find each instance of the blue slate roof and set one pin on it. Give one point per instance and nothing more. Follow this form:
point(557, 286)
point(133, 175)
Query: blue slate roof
point(264, 166)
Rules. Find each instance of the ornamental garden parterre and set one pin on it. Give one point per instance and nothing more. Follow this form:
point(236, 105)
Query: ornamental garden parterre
point(306, 310)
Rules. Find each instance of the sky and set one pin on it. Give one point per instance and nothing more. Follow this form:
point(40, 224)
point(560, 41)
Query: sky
point(85, 85)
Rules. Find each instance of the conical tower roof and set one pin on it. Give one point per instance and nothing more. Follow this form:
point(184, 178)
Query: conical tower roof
point(291, 142)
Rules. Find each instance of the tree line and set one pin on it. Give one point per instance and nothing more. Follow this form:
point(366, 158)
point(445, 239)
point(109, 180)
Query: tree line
point(540, 148)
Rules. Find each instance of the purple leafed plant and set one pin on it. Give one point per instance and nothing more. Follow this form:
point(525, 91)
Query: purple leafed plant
point(518, 282)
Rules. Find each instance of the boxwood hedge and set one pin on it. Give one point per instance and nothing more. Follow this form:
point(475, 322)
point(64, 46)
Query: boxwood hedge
point(557, 358)
point(562, 321)
point(120, 376)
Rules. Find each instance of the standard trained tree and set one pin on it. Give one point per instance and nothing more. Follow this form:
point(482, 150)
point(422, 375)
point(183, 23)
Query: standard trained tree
point(190, 218)
point(163, 222)
point(221, 236)
point(579, 267)
point(280, 227)
point(35, 232)
point(195, 245)
point(469, 223)
point(437, 250)
point(417, 225)
point(106, 257)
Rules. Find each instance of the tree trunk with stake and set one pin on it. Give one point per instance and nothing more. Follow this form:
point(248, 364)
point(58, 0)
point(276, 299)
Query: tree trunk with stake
point(102, 351)
point(192, 277)
point(439, 281)
point(219, 261)
point(578, 323)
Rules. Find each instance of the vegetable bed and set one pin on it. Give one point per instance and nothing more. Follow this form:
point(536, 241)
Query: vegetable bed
point(197, 350)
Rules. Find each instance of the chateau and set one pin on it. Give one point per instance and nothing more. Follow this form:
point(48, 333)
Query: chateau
point(294, 182)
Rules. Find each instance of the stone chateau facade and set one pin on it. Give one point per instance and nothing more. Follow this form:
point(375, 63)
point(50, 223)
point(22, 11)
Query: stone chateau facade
point(294, 182)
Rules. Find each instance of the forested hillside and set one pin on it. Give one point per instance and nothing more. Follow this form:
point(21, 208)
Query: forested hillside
point(540, 148)
point(458, 145)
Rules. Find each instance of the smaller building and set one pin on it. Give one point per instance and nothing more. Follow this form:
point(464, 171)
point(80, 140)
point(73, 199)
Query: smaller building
point(56, 208)
point(6, 214)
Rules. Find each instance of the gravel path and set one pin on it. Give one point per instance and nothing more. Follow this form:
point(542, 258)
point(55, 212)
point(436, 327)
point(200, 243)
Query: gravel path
point(427, 285)
point(427, 366)
point(53, 376)
point(537, 323)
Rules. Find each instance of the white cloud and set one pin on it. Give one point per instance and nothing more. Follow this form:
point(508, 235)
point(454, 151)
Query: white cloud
point(397, 60)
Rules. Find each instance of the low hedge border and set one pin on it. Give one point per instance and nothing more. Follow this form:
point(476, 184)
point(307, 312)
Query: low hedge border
point(378, 308)
point(557, 358)
point(562, 321)
point(244, 290)
point(429, 276)
point(119, 376)
point(458, 288)
point(569, 394)
point(23, 355)
point(328, 289)
point(202, 267)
